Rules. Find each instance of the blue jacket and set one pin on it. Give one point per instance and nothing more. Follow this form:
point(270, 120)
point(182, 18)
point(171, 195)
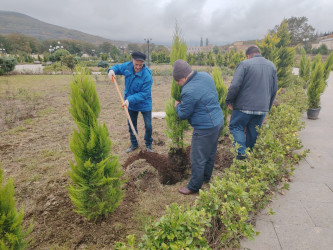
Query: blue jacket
point(137, 86)
point(254, 85)
point(199, 102)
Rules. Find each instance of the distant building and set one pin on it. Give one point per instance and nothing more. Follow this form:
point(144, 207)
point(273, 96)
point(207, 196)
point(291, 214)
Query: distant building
point(327, 40)
point(239, 46)
point(198, 49)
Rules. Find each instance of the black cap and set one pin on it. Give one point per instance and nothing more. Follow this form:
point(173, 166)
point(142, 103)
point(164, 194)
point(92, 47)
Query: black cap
point(137, 55)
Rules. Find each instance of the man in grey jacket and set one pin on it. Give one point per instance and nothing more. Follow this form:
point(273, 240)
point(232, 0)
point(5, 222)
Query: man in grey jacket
point(250, 97)
point(199, 105)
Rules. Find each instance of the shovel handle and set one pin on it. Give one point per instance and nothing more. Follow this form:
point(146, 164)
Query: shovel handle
point(113, 79)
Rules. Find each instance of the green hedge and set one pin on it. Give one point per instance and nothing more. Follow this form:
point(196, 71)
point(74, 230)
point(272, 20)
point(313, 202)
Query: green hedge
point(245, 188)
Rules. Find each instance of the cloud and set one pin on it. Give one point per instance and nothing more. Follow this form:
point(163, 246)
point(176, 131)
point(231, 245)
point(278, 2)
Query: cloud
point(221, 21)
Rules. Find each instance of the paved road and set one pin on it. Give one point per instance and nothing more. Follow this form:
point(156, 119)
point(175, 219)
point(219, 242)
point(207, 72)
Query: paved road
point(303, 217)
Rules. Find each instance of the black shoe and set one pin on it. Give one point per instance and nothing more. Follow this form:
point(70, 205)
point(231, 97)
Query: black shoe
point(241, 157)
point(149, 149)
point(131, 149)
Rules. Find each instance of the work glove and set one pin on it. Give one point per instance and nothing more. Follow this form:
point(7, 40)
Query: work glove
point(111, 74)
point(125, 103)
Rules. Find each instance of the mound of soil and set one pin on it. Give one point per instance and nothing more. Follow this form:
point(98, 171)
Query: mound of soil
point(171, 169)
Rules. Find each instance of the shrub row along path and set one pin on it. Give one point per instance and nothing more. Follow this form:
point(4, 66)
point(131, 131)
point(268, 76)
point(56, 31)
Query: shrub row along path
point(303, 217)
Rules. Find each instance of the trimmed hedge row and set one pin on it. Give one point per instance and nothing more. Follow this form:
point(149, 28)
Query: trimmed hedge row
point(221, 215)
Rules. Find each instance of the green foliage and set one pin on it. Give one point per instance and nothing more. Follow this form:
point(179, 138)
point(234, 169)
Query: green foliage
point(275, 48)
point(12, 234)
point(322, 50)
point(286, 54)
point(160, 57)
point(232, 58)
point(56, 67)
point(295, 89)
point(175, 126)
point(268, 47)
point(96, 176)
point(58, 54)
point(222, 91)
point(316, 60)
point(7, 64)
point(179, 228)
point(68, 61)
point(298, 29)
point(210, 59)
point(316, 86)
point(103, 64)
point(328, 66)
point(305, 67)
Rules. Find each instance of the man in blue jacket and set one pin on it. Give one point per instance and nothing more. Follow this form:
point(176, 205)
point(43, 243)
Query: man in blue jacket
point(250, 97)
point(137, 96)
point(199, 104)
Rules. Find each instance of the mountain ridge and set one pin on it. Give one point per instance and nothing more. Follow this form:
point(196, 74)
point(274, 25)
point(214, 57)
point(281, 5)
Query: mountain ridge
point(15, 22)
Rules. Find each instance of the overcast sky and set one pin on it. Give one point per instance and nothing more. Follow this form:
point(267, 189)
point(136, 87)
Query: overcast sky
point(221, 21)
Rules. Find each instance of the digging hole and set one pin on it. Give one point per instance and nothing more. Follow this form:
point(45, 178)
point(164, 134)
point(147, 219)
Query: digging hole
point(171, 168)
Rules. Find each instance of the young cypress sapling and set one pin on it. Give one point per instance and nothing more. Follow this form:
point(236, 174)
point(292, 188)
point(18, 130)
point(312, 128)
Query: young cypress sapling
point(96, 176)
point(12, 234)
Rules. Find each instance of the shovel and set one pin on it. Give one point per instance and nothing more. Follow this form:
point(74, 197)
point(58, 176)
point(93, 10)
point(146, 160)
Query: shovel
point(113, 79)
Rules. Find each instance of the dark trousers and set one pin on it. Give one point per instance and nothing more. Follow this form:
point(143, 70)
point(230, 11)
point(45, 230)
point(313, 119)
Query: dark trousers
point(148, 127)
point(239, 122)
point(203, 153)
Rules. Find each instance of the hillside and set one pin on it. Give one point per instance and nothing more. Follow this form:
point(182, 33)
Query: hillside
point(13, 22)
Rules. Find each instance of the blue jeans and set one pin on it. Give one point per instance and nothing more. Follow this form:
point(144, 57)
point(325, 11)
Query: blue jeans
point(203, 153)
point(148, 127)
point(241, 122)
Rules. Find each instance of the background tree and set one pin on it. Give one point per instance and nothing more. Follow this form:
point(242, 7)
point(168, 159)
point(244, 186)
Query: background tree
point(115, 53)
point(299, 29)
point(219, 59)
point(68, 60)
point(322, 49)
point(58, 54)
point(210, 59)
point(206, 42)
point(216, 50)
point(328, 66)
point(134, 47)
point(175, 126)
point(105, 47)
point(304, 67)
point(96, 176)
point(286, 54)
point(275, 47)
point(7, 64)
point(12, 234)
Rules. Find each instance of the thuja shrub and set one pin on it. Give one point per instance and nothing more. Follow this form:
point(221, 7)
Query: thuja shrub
point(12, 233)
point(246, 185)
point(180, 228)
point(222, 91)
point(232, 200)
point(96, 175)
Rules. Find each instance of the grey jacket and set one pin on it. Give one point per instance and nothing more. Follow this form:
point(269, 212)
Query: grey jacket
point(254, 85)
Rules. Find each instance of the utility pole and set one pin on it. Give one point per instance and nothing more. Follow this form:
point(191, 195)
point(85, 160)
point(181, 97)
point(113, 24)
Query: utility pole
point(148, 41)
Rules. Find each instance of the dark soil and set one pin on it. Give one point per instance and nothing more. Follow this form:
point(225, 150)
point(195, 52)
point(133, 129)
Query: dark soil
point(171, 169)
